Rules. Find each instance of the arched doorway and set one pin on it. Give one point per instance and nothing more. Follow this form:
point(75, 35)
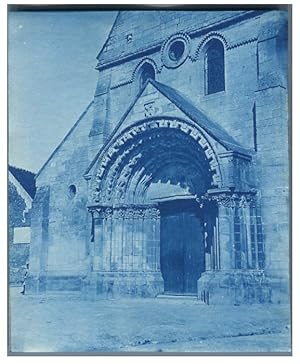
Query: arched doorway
point(182, 246)
point(148, 216)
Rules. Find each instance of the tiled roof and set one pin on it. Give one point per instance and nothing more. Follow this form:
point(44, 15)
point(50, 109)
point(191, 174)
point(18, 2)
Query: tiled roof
point(25, 178)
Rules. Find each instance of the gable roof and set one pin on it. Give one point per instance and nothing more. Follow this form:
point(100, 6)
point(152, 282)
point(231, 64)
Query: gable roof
point(188, 108)
point(25, 178)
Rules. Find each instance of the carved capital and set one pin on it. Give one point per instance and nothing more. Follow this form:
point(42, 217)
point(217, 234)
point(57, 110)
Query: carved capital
point(232, 200)
point(152, 213)
point(102, 212)
point(136, 213)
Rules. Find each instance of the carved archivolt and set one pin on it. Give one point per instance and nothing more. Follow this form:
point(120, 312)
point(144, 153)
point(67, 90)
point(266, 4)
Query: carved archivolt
point(124, 156)
point(140, 64)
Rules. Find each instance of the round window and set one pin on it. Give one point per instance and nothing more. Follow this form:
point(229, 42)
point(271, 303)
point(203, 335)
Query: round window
point(176, 50)
point(72, 191)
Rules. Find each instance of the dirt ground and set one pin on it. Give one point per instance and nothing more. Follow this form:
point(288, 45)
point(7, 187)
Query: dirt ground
point(70, 324)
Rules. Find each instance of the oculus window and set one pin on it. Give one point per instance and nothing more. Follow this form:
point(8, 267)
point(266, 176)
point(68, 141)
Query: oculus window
point(176, 51)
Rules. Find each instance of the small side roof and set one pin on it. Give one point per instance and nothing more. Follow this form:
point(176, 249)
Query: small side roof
point(25, 178)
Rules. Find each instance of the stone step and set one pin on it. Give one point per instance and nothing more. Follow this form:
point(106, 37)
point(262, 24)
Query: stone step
point(177, 297)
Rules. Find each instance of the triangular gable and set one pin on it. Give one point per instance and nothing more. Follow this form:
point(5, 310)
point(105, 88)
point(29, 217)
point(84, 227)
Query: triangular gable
point(150, 103)
point(157, 99)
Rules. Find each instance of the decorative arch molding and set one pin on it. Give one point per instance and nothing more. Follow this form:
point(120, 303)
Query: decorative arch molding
point(205, 40)
point(119, 162)
point(138, 67)
point(131, 78)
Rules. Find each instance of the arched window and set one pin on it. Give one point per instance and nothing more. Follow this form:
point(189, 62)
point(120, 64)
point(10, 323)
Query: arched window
point(147, 72)
point(214, 67)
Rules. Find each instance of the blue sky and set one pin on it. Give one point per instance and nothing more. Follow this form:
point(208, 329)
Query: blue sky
point(52, 78)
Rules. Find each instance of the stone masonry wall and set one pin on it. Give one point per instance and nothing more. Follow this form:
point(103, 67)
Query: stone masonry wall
point(273, 150)
point(232, 108)
point(18, 253)
point(68, 224)
point(253, 107)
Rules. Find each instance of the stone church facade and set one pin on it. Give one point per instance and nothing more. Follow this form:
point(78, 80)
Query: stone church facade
point(175, 179)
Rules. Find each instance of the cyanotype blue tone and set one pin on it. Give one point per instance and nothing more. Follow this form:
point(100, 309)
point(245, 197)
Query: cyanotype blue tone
point(171, 192)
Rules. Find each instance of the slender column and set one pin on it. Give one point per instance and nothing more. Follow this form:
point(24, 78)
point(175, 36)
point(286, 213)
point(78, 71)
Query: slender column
point(107, 243)
point(225, 228)
point(157, 241)
point(246, 216)
point(92, 241)
point(98, 245)
point(209, 249)
point(101, 238)
point(223, 249)
point(210, 239)
point(217, 245)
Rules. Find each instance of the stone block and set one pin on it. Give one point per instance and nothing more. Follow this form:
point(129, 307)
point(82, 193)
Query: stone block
point(234, 287)
point(116, 284)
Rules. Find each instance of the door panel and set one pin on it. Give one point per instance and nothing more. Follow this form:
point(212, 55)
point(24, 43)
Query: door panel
point(182, 247)
point(193, 251)
point(171, 254)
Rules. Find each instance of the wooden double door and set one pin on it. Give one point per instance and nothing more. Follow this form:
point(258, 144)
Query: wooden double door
point(182, 256)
